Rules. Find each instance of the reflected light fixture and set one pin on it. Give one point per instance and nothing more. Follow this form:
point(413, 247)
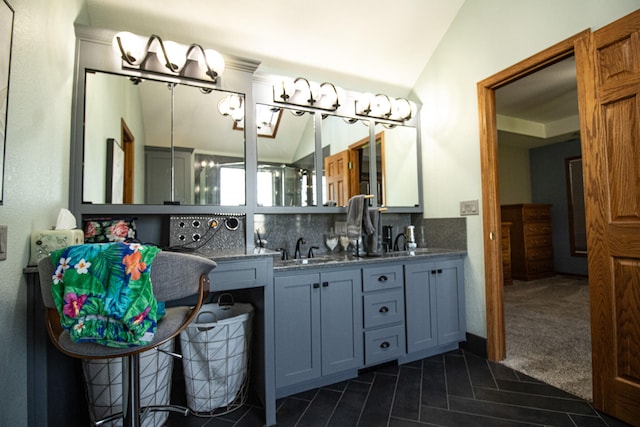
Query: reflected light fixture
point(168, 57)
point(232, 106)
point(384, 107)
point(302, 92)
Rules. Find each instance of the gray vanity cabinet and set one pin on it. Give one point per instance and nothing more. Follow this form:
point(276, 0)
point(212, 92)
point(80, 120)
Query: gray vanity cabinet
point(318, 324)
point(434, 298)
point(383, 302)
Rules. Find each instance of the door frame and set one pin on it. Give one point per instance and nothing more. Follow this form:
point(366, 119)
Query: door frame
point(496, 342)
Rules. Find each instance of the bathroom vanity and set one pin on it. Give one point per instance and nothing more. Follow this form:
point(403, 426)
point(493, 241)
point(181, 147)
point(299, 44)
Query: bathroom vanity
point(317, 321)
point(334, 317)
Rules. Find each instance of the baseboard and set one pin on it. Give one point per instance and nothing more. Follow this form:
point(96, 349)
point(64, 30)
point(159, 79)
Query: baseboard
point(476, 345)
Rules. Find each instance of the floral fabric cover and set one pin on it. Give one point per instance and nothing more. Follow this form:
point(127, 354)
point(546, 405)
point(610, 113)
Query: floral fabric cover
point(104, 294)
point(106, 230)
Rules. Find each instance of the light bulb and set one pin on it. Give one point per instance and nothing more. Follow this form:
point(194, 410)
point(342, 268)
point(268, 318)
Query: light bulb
point(363, 104)
point(381, 106)
point(402, 109)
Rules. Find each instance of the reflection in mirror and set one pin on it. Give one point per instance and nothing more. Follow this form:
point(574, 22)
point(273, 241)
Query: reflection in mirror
point(208, 154)
point(286, 160)
point(343, 141)
point(400, 162)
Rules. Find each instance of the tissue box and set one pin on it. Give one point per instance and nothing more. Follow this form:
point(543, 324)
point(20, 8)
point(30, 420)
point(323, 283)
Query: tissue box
point(43, 242)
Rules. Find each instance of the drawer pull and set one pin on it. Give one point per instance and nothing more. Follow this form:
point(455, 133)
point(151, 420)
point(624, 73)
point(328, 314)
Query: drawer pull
point(439, 271)
point(384, 309)
point(433, 272)
point(325, 284)
point(382, 278)
point(316, 285)
point(385, 344)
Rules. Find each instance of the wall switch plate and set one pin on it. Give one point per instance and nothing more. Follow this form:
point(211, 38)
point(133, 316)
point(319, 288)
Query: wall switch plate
point(469, 207)
point(3, 242)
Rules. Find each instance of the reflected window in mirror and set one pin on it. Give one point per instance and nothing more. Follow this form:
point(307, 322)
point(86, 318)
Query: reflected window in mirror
point(162, 162)
point(286, 158)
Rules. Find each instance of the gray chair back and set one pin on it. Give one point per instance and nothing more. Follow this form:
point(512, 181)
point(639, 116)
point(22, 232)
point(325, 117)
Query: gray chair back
point(174, 275)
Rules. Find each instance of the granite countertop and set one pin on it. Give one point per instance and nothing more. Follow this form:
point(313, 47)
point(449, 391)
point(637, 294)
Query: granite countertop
point(341, 259)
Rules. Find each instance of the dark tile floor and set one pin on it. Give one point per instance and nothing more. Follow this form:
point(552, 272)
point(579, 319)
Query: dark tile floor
point(452, 389)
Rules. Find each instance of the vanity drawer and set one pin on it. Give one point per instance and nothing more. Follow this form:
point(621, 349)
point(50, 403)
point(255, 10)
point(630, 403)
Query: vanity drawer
point(384, 344)
point(383, 308)
point(240, 274)
point(381, 278)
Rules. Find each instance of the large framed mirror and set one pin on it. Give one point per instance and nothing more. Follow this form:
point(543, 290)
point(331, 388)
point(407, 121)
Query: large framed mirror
point(286, 174)
point(175, 145)
point(346, 148)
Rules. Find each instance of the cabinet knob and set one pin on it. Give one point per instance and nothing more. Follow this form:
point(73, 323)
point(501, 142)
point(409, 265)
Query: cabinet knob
point(439, 271)
point(316, 285)
point(433, 272)
point(325, 284)
point(385, 344)
point(384, 309)
point(382, 278)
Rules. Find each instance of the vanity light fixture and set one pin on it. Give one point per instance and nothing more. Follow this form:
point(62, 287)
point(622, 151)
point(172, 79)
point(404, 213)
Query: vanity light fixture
point(384, 107)
point(305, 93)
point(168, 57)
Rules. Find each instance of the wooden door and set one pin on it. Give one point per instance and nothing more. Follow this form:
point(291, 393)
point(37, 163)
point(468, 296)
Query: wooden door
point(336, 169)
point(608, 66)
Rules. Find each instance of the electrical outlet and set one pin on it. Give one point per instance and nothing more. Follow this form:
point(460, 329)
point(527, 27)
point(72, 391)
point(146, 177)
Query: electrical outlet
point(3, 242)
point(469, 207)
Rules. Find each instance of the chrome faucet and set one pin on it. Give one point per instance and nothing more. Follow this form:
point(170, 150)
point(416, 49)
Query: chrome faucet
point(395, 244)
point(296, 254)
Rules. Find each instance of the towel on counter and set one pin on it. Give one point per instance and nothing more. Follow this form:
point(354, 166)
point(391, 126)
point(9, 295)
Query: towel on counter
point(355, 208)
point(360, 218)
point(104, 295)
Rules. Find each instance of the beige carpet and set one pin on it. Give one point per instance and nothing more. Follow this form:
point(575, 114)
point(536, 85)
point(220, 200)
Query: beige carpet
point(548, 332)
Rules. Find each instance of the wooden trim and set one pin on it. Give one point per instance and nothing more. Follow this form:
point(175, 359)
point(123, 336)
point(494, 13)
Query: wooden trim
point(129, 147)
point(496, 344)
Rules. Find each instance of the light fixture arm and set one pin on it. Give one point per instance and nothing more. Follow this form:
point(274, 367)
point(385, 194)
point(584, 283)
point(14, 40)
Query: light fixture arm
point(311, 101)
point(336, 103)
point(209, 71)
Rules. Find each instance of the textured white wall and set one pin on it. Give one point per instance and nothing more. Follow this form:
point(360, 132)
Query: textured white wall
point(36, 170)
point(486, 37)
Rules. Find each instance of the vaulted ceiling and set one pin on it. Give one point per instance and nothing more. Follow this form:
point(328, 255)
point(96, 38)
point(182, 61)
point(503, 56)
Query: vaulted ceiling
point(358, 44)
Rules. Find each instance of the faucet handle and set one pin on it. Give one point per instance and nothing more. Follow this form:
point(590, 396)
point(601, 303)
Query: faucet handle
point(311, 254)
point(285, 254)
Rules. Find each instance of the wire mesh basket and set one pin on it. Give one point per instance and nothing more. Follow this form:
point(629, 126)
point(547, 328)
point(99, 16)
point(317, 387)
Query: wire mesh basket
point(103, 384)
point(215, 357)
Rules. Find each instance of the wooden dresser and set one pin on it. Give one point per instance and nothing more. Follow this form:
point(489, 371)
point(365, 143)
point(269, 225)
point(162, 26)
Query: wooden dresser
point(531, 240)
point(506, 254)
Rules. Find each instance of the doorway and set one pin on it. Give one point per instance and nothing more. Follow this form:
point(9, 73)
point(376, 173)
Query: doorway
point(496, 341)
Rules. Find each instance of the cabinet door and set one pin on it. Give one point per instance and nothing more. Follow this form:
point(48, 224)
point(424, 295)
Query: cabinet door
point(297, 328)
point(449, 286)
point(420, 294)
point(341, 320)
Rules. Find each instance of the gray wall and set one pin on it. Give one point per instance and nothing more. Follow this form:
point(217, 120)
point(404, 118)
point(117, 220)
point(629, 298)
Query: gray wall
point(549, 185)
